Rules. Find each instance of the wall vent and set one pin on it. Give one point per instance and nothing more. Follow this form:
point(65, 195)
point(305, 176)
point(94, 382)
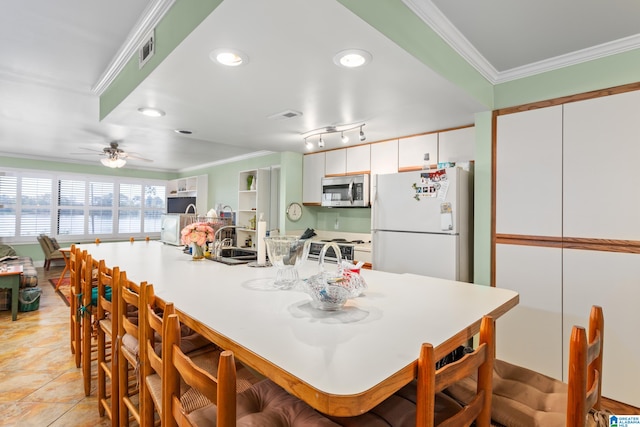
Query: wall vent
point(287, 114)
point(147, 49)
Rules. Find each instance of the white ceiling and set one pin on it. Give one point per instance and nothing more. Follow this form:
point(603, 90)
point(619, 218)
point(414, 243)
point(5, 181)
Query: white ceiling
point(54, 53)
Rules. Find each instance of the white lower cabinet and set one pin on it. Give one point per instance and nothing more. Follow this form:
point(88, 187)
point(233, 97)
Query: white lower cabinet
point(611, 280)
point(530, 334)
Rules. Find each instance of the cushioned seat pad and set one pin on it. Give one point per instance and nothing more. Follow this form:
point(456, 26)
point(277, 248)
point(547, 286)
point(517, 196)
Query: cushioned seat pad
point(521, 397)
point(399, 410)
point(266, 404)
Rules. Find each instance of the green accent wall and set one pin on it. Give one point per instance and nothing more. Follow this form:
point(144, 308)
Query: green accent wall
point(614, 70)
point(175, 26)
point(482, 200)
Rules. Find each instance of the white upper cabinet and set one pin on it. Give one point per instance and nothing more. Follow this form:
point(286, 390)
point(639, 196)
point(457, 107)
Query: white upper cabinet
point(601, 173)
point(359, 159)
point(457, 145)
point(335, 162)
point(313, 172)
point(529, 173)
point(411, 151)
point(191, 186)
point(384, 157)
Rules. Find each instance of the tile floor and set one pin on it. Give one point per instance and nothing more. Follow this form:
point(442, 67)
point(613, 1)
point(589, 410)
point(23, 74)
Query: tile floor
point(39, 382)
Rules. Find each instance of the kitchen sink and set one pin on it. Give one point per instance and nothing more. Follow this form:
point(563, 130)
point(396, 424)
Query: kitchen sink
point(235, 256)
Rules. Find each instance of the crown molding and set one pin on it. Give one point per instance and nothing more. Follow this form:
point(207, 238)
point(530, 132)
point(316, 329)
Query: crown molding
point(572, 58)
point(154, 12)
point(434, 18)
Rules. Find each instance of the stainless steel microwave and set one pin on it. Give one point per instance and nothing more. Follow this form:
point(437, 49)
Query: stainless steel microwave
point(346, 191)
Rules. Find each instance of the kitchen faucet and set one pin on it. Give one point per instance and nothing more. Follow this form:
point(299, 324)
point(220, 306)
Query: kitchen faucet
point(191, 205)
point(217, 244)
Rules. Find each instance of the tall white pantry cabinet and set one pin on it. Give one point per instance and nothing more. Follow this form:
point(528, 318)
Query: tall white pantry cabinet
point(567, 233)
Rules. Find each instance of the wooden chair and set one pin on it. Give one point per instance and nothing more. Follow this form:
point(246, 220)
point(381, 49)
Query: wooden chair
point(89, 348)
point(75, 301)
point(221, 391)
point(525, 397)
point(422, 403)
point(129, 351)
point(157, 310)
point(201, 352)
point(107, 330)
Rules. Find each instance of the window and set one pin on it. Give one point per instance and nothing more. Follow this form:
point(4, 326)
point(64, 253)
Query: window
point(78, 206)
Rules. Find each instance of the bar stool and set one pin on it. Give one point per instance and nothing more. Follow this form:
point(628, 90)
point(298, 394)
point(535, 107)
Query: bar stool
point(107, 319)
point(129, 350)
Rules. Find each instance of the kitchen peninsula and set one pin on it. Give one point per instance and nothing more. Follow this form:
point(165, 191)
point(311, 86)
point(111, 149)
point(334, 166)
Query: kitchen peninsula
point(341, 363)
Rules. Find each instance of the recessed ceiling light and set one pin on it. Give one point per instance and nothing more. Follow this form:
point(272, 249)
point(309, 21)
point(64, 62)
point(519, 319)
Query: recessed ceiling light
point(229, 57)
point(183, 131)
point(151, 112)
point(352, 58)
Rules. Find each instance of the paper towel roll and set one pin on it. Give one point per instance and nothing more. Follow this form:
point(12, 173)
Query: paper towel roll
point(261, 233)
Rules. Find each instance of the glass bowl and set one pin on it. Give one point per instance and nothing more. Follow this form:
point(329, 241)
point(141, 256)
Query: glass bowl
point(286, 253)
point(327, 296)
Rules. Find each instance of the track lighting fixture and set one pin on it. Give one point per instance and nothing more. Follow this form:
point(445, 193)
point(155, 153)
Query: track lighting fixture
point(327, 130)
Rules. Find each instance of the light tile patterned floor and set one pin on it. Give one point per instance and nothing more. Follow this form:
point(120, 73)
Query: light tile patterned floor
point(39, 383)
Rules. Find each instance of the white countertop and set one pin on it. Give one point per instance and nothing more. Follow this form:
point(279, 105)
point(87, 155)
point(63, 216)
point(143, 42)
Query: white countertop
point(337, 353)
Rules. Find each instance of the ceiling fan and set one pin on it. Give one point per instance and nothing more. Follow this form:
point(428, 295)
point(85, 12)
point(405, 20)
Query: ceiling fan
point(116, 157)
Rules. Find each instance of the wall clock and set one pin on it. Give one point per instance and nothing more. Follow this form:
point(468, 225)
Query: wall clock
point(294, 211)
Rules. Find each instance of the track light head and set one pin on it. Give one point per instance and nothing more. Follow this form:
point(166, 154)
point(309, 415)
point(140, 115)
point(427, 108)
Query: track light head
point(362, 137)
point(321, 142)
point(344, 138)
point(308, 144)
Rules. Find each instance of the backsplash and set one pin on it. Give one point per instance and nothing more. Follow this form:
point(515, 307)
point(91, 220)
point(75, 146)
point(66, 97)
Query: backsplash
point(343, 220)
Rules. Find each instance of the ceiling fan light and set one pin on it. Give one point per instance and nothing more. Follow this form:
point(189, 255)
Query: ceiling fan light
point(113, 162)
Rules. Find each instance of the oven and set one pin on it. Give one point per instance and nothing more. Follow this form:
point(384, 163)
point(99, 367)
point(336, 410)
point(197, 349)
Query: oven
point(346, 249)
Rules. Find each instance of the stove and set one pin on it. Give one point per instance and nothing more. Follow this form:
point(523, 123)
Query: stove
point(346, 249)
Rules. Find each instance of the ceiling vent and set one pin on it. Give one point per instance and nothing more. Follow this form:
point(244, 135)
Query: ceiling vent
point(287, 114)
point(147, 49)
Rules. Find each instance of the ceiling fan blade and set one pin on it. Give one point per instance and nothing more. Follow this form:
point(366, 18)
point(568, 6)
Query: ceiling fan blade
point(91, 149)
point(134, 156)
point(97, 153)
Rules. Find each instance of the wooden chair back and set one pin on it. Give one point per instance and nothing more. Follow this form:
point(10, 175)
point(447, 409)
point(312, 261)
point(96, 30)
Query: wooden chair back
point(157, 309)
point(129, 296)
point(87, 266)
point(107, 318)
point(75, 302)
point(432, 381)
point(221, 391)
point(585, 369)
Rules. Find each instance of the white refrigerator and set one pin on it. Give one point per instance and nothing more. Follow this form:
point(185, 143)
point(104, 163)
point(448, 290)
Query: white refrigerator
point(422, 223)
